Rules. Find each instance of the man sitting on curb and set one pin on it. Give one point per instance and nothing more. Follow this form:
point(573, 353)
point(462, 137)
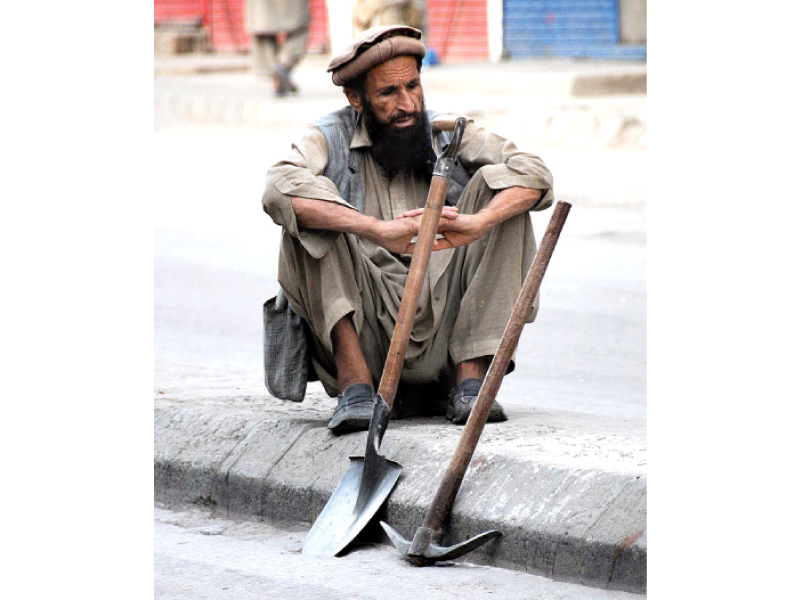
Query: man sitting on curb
point(350, 197)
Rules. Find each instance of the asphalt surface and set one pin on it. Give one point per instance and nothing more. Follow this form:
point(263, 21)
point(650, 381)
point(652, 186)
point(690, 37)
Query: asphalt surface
point(197, 555)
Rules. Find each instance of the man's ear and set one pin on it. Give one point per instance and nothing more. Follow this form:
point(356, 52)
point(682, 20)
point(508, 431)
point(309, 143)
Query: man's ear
point(354, 98)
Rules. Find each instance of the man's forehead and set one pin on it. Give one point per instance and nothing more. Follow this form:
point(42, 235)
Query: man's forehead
point(400, 69)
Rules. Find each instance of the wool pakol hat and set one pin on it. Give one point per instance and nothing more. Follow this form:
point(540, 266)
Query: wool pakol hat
point(374, 46)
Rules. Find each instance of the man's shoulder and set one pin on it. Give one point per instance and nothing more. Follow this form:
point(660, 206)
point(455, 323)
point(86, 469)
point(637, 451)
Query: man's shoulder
point(345, 117)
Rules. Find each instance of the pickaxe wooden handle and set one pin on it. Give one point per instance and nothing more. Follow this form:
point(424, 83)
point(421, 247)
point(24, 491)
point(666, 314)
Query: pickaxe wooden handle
point(423, 549)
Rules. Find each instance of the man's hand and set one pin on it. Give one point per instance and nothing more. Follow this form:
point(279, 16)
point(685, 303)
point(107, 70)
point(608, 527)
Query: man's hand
point(448, 215)
point(454, 228)
point(459, 230)
point(395, 235)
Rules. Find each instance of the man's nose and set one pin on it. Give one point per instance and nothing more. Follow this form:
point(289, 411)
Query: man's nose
point(405, 101)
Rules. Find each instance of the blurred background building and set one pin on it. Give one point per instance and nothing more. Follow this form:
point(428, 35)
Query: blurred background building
point(459, 30)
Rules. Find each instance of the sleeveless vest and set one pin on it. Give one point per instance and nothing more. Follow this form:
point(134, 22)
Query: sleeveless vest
point(346, 166)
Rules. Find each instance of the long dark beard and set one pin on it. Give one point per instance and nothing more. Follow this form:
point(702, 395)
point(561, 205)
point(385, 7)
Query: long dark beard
point(404, 151)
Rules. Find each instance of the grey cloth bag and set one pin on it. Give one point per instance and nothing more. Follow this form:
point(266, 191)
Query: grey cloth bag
point(285, 350)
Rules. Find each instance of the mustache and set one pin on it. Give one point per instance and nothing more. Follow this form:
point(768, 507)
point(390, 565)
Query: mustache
point(404, 115)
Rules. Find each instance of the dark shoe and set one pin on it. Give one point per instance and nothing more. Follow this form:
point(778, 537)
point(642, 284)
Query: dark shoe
point(354, 411)
point(279, 87)
point(289, 84)
point(283, 83)
point(462, 399)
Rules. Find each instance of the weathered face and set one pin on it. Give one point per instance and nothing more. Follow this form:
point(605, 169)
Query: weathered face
point(394, 91)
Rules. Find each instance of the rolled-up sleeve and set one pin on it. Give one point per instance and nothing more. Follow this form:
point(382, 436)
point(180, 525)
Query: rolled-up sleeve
point(300, 175)
point(503, 165)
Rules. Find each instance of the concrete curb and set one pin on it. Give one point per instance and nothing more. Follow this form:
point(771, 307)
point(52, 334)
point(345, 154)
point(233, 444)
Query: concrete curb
point(199, 64)
point(567, 491)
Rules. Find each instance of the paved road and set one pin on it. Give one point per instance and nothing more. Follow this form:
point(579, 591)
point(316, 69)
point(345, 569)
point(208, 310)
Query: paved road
point(216, 260)
point(197, 556)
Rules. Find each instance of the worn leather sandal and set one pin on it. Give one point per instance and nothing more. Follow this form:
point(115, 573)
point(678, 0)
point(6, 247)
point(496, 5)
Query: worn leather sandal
point(354, 410)
point(462, 399)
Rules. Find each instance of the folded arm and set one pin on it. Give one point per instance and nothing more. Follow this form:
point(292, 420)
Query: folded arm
point(395, 235)
point(462, 229)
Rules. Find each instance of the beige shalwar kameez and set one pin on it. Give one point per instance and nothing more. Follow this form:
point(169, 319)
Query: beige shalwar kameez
point(470, 291)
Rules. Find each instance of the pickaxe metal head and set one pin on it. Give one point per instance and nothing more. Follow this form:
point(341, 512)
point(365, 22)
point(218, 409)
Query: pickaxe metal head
point(423, 549)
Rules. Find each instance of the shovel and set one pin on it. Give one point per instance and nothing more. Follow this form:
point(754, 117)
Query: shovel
point(369, 480)
point(424, 549)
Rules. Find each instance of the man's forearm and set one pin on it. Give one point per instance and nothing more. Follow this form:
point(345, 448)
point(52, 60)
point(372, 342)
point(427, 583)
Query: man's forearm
point(329, 216)
point(506, 204)
point(394, 235)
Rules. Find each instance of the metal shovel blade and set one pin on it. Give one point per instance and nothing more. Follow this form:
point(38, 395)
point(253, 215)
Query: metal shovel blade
point(363, 489)
point(375, 464)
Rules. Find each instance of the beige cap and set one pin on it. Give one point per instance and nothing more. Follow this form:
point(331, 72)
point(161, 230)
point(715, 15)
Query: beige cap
point(374, 46)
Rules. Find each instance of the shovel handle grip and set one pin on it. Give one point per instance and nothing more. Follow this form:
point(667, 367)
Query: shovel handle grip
point(445, 496)
point(445, 122)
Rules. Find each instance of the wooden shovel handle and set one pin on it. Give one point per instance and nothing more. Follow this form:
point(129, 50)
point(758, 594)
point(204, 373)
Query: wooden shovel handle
point(445, 496)
point(416, 277)
point(419, 263)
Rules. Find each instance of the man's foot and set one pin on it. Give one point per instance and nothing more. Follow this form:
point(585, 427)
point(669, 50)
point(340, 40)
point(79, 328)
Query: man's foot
point(354, 411)
point(279, 87)
point(462, 399)
point(283, 83)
